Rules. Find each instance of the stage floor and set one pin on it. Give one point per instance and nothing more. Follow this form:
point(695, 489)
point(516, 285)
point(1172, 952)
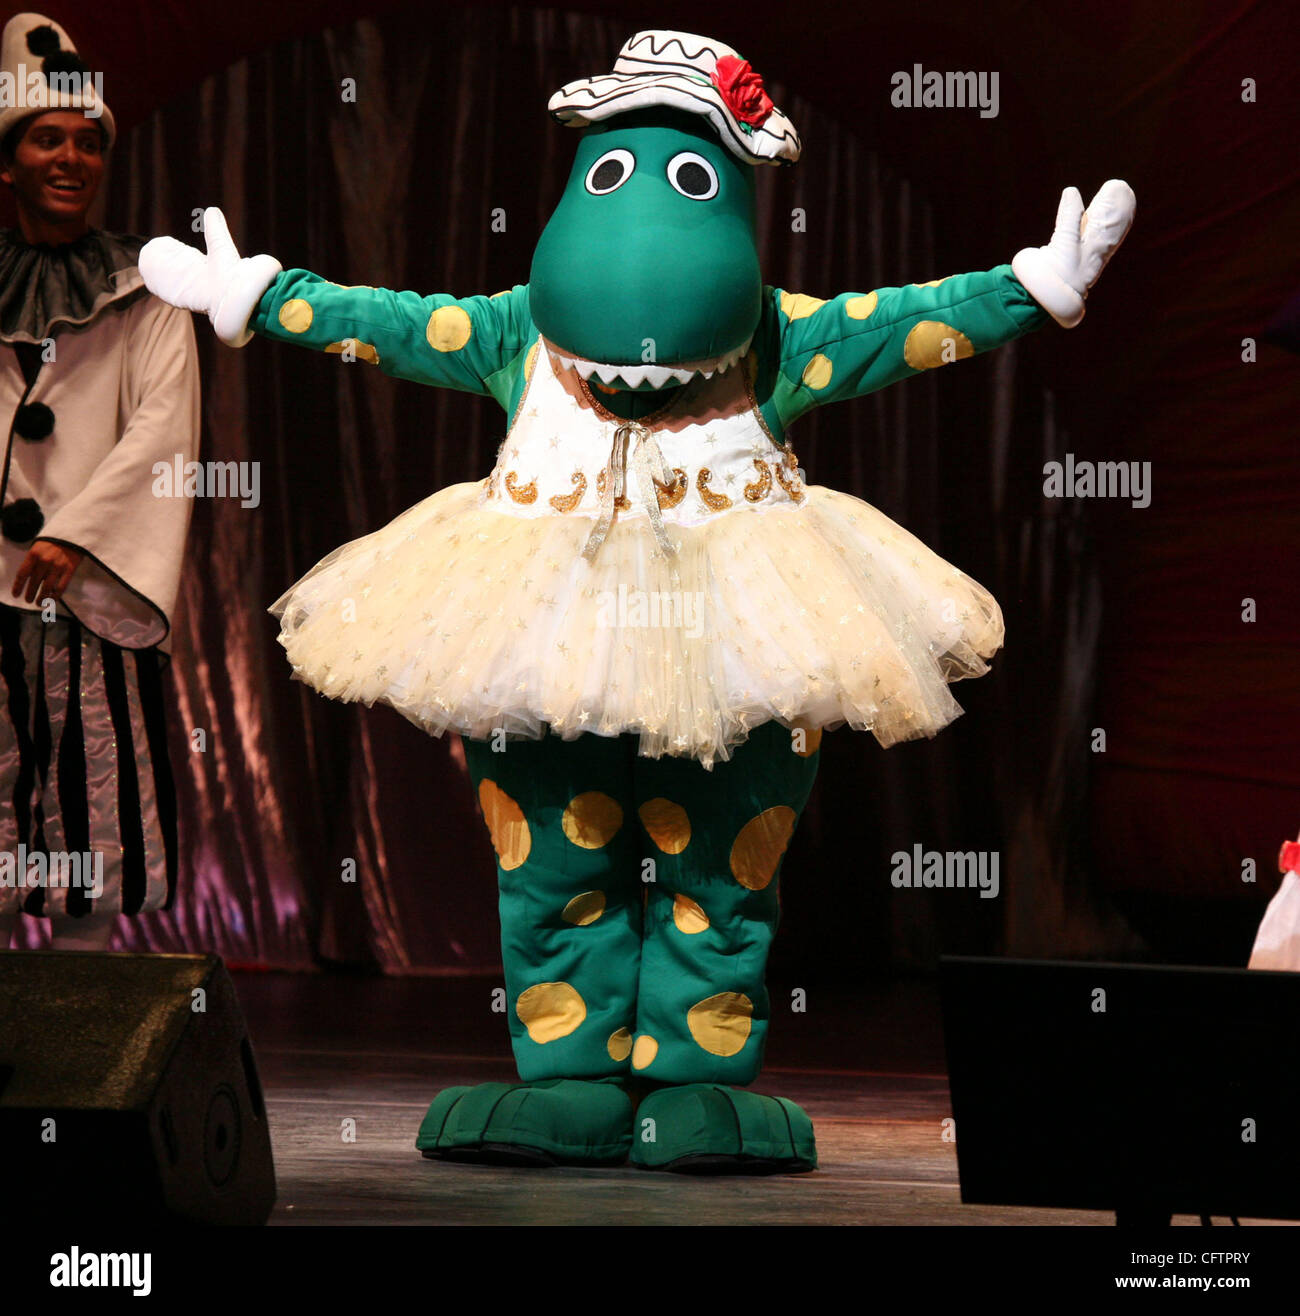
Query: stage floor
point(868, 1068)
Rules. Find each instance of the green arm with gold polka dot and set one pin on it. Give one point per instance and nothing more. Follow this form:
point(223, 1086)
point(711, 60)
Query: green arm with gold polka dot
point(467, 343)
point(856, 343)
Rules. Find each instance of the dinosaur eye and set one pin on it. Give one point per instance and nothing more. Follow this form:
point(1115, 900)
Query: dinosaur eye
point(693, 176)
point(612, 170)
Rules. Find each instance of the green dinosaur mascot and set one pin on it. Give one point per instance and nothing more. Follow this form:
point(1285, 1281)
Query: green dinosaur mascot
point(643, 618)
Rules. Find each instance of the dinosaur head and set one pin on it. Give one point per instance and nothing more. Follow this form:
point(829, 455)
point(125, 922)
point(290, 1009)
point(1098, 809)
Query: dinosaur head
point(647, 272)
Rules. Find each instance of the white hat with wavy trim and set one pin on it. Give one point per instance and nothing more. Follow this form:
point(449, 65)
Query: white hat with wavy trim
point(688, 73)
point(40, 70)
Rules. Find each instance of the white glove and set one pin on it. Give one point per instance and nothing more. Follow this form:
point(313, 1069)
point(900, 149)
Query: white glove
point(1059, 275)
point(221, 284)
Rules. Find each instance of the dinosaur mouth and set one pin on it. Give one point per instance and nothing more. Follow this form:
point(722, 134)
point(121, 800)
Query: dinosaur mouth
point(657, 376)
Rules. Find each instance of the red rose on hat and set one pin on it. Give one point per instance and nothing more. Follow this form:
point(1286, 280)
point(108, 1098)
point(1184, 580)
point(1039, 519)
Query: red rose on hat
point(742, 90)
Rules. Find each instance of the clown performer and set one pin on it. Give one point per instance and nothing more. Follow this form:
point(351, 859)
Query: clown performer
point(98, 381)
point(643, 618)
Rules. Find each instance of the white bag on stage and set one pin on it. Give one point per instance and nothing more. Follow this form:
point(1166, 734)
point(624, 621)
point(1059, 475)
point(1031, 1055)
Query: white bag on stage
point(1277, 943)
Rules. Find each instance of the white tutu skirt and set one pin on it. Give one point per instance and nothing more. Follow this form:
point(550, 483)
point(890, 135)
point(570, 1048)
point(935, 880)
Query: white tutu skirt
point(466, 618)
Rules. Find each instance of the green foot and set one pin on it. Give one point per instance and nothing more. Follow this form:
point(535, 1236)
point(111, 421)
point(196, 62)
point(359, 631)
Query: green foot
point(557, 1121)
point(706, 1128)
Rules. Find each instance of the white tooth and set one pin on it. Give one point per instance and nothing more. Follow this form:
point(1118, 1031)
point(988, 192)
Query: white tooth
point(607, 373)
point(584, 368)
point(708, 374)
point(632, 375)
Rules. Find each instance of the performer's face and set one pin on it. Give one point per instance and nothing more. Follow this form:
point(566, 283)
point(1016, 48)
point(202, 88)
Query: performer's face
point(57, 168)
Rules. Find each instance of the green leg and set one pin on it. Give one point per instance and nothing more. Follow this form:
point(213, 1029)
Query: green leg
point(717, 839)
point(568, 849)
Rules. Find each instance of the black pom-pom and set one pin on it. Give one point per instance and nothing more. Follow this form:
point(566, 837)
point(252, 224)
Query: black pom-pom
point(34, 421)
point(43, 40)
point(63, 61)
point(21, 521)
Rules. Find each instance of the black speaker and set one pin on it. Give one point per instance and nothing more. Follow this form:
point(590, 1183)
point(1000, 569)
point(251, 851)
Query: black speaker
point(1150, 1090)
point(128, 1087)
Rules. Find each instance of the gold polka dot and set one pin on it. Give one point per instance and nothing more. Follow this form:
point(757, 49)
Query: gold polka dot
point(295, 315)
point(932, 283)
point(933, 343)
point(362, 351)
point(797, 305)
point(688, 916)
point(644, 1051)
point(721, 1024)
point(667, 824)
point(591, 819)
point(505, 292)
point(550, 1010)
point(858, 308)
point(529, 361)
point(506, 824)
point(619, 1045)
point(448, 329)
point(584, 909)
point(817, 373)
point(758, 848)
point(812, 740)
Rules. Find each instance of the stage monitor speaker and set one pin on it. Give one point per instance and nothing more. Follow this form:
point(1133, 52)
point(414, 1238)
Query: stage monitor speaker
point(128, 1089)
point(1146, 1090)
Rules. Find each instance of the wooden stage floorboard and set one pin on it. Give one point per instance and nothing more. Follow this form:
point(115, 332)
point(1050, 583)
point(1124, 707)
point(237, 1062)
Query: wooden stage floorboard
point(867, 1067)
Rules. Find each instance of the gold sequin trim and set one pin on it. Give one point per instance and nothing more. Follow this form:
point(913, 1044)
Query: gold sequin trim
point(671, 495)
point(787, 475)
point(525, 494)
point(530, 361)
point(761, 487)
point(622, 502)
point(715, 502)
point(751, 377)
point(567, 502)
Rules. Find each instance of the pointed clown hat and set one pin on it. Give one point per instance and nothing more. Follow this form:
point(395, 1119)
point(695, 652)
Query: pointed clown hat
point(690, 73)
point(40, 70)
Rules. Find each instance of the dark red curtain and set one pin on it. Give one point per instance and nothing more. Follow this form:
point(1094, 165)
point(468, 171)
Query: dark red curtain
point(1122, 620)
